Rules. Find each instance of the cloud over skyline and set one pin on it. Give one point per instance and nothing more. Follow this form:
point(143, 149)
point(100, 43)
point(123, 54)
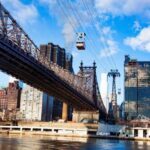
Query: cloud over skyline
point(124, 7)
point(140, 41)
point(111, 49)
point(71, 15)
point(24, 14)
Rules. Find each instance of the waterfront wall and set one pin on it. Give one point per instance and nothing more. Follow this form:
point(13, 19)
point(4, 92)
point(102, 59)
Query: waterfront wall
point(56, 131)
point(106, 129)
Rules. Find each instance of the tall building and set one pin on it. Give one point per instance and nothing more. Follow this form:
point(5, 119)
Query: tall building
point(36, 105)
point(10, 96)
point(58, 55)
point(10, 101)
point(3, 99)
point(137, 88)
point(54, 53)
point(103, 89)
point(13, 96)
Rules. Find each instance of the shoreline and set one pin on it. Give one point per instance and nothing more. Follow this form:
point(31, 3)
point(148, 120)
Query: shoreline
point(72, 135)
point(64, 130)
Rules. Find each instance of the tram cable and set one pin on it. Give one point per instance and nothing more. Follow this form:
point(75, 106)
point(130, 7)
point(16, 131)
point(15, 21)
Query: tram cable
point(65, 13)
point(98, 31)
point(77, 18)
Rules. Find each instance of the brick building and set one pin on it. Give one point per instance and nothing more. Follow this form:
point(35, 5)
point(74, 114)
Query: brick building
point(13, 96)
point(3, 99)
point(10, 96)
point(10, 101)
point(57, 55)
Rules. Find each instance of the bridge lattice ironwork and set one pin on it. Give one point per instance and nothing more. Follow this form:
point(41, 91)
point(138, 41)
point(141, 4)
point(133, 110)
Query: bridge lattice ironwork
point(11, 31)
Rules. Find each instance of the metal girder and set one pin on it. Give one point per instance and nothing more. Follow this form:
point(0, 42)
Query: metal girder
point(13, 39)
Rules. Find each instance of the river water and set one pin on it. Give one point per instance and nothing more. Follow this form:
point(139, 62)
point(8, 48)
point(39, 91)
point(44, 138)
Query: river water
point(18, 142)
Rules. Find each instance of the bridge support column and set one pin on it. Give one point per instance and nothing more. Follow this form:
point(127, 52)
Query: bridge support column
point(85, 116)
point(65, 111)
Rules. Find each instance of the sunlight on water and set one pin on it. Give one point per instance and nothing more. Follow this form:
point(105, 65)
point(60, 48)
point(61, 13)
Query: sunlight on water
point(28, 142)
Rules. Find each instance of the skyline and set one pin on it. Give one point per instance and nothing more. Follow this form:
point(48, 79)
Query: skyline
point(116, 30)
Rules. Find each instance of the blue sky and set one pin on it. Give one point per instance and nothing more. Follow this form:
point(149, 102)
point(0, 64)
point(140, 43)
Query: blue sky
point(114, 28)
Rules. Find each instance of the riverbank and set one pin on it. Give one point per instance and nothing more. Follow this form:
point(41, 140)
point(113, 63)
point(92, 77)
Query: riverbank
point(62, 132)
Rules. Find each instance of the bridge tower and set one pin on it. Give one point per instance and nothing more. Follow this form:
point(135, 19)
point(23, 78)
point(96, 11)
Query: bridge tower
point(113, 103)
point(88, 72)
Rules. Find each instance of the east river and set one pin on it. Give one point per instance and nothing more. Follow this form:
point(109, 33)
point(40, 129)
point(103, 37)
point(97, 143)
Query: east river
point(18, 142)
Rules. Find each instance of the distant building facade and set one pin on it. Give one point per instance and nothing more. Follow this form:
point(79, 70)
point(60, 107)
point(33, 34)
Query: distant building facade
point(3, 99)
point(35, 105)
point(10, 96)
point(59, 56)
point(10, 101)
point(103, 89)
point(137, 88)
point(13, 94)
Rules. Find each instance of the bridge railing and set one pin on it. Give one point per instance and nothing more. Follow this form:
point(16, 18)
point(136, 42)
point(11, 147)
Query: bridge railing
point(10, 29)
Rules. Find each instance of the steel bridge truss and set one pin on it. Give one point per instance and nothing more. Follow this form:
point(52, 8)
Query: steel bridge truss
point(12, 32)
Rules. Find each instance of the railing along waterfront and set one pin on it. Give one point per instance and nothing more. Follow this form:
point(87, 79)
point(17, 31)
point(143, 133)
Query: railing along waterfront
point(47, 130)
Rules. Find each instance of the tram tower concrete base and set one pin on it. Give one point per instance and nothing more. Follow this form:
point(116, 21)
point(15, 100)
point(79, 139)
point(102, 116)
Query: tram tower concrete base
point(79, 116)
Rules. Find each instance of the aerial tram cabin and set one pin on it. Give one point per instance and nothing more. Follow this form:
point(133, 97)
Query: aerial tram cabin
point(80, 43)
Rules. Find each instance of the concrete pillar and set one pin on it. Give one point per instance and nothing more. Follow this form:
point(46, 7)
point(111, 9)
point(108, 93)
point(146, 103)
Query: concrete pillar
point(140, 133)
point(148, 132)
point(65, 111)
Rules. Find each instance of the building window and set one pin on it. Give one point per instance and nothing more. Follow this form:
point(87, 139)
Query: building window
point(144, 133)
point(135, 133)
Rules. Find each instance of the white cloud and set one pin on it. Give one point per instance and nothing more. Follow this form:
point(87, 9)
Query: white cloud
point(136, 26)
point(23, 13)
point(110, 46)
point(108, 6)
point(68, 16)
point(69, 32)
point(49, 2)
point(111, 49)
point(141, 41)
point(107, 31)
point(123, 7)
point(75, 54)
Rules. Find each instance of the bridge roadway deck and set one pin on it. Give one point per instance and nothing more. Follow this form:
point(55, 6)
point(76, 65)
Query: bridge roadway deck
point(17, 63)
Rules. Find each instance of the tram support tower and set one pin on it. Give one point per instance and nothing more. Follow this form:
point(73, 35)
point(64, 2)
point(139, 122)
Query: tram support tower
point(113, 103)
